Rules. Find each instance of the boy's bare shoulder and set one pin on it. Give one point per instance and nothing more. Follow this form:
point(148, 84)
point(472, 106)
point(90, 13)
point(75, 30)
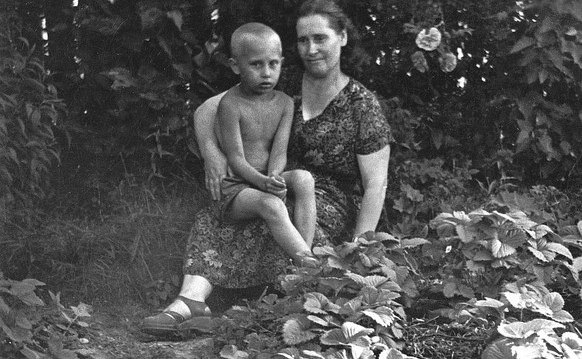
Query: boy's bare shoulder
point(282, 95)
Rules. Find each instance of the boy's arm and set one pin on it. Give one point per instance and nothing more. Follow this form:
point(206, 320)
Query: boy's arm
point(228, 118)
point(278, 155)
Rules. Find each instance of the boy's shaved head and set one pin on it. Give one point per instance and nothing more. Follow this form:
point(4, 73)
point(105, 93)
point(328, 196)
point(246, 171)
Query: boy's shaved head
point(252, 32)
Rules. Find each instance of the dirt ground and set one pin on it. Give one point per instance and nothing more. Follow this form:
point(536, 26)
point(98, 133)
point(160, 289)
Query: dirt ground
point(114, 333)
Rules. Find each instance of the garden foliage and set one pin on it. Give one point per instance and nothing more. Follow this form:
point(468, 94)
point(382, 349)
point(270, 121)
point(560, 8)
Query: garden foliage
point(30, 112)
point(482, 205)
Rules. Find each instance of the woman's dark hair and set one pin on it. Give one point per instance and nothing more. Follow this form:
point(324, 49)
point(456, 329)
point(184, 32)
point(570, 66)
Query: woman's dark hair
point(353, 56)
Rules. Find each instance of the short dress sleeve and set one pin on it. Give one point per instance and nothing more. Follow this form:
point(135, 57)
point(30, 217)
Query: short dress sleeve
point(374, 132)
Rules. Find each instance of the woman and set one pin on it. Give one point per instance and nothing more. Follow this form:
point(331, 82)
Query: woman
point(339, 134)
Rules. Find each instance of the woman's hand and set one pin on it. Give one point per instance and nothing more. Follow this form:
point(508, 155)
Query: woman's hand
point(215, 169)
point(215, 164)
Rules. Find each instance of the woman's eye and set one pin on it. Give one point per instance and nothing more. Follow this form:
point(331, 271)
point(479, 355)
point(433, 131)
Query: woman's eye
point(319, 39)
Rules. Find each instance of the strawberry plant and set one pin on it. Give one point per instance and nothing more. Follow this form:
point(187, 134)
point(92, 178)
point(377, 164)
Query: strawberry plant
point(350, 304)
point(483, 250)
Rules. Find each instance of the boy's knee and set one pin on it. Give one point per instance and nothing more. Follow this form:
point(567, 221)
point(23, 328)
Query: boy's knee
point(302, 179)
point(271, 206)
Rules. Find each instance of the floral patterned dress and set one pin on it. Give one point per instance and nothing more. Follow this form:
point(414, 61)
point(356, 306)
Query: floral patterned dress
point(244, 254)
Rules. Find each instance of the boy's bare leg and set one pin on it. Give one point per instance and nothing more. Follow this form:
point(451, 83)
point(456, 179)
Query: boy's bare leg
point(302, 186)
point(251, 203)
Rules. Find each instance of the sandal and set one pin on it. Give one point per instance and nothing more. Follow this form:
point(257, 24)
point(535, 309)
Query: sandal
point(307, 261)
point(168, 322)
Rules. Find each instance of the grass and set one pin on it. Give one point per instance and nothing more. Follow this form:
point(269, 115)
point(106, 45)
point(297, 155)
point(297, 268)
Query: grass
point(107, 242)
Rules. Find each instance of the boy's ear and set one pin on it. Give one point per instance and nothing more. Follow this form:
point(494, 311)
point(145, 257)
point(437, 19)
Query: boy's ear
point(234, 66)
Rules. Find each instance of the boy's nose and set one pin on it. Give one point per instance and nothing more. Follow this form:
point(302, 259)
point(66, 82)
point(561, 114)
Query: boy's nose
point(266, 71)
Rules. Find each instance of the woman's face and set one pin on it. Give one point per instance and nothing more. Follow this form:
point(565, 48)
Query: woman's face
point(319, 45)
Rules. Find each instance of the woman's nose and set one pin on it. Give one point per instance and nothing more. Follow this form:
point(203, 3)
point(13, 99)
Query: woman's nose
point(311, 47)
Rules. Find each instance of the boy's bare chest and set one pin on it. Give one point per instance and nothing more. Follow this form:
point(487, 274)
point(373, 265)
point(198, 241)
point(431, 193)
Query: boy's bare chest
point(260, 121)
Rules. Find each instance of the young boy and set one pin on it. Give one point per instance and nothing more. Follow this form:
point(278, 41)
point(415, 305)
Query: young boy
point(254, 124)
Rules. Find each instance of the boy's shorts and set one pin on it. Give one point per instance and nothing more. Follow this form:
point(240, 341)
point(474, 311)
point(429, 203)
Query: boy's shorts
point(230, 188)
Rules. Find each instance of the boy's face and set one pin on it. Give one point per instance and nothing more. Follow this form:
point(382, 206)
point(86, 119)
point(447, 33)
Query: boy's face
point(258, 63)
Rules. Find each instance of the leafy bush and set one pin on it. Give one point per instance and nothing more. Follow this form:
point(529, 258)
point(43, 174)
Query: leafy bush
point(483, 250)
point(29, 113)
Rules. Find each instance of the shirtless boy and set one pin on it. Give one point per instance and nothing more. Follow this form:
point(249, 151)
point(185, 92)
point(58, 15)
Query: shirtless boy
point(254, 124)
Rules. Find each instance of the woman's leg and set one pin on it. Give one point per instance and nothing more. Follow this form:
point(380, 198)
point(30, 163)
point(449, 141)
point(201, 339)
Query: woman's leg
point(302, 186)
point(196, 290)
point(251, 203)
point(190, 303)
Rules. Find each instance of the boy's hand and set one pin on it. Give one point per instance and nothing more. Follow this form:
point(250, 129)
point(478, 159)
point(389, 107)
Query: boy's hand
point(276, 185)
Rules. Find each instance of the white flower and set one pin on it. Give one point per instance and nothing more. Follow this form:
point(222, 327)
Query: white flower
point(428, 40)
point(419, 61)
point(448, 62)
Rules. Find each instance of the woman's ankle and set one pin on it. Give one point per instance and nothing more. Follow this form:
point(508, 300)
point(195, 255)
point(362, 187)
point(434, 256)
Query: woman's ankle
point(189, 308)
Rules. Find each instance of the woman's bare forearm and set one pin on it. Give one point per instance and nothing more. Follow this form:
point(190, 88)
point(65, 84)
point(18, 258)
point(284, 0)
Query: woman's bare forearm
point(370, 210)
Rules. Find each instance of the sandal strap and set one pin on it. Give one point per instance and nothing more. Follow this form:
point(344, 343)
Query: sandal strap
point(197, 308)
point(179, 318)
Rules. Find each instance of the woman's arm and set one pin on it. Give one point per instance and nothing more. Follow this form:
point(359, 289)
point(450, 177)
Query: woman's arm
point(374, 170)
point(215, 164)
point(278, 155)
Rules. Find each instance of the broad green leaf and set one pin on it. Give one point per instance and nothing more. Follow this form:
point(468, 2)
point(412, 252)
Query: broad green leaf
point(393, 354)
point(500, 249)
point(562, 316)
point(515, 299)
point(231, 352)
point(360, 349)
point(450, 289)
point(319, 304)
point(327, 321)
point(31, 354)
point(554, 301)
point(335, 283)
point(352, 330)
point(560, 249)
point(544, 256)
point(530, 351)
point(572, 340)
point(466, 233)
point(500, 349)
point(82, 310)
point(384, 316)
point(322, 251)
point(309, 354)
point(489, 302)
point(522, 44)
point(372, 280)
point(383, 237)
point(296, 331)
point(333, 337)
point(413, 242)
